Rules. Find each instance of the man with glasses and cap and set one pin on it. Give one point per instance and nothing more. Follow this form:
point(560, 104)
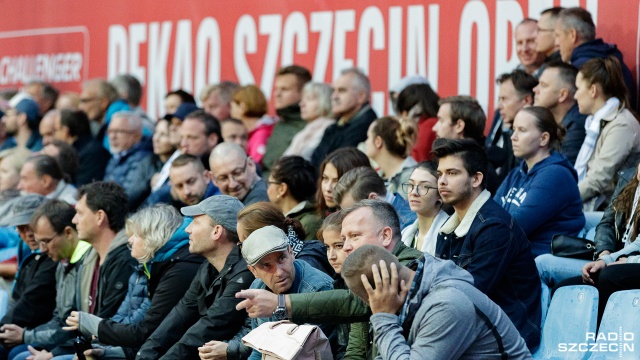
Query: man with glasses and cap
point(234, 173)
point(34, 291)
point(207, 310)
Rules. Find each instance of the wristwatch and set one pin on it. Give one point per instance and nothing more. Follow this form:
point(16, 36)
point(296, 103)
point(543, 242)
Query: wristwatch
point(281, 310)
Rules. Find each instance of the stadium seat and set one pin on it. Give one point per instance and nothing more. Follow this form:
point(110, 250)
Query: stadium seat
point(618, 336)
point(4, 302)
point(572, 314)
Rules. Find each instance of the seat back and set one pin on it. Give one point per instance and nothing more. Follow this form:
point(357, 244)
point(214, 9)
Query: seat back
point(4, 303)
point(618, 336)
point(572, 314)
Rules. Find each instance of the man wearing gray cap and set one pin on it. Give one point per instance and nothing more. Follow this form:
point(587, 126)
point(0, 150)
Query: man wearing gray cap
point(207, 310)
point(271, 261)
point(34, 294)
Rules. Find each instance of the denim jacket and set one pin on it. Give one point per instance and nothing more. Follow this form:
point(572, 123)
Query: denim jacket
point(307, 280)
point(489, 244)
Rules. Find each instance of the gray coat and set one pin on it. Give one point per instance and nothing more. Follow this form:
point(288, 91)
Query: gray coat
point(444, 320)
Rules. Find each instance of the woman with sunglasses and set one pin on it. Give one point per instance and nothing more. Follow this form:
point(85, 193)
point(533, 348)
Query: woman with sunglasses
point(424, 200)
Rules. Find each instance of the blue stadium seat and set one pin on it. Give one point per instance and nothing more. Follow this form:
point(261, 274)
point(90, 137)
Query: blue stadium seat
point(618, 336)
point(4, 302)
point(572, 314)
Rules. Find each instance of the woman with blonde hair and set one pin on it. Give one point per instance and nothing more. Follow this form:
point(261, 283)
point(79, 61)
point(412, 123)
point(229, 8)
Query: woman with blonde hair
point(249, 105)
point(261, 214)
point(389, 143)
point(159, 242)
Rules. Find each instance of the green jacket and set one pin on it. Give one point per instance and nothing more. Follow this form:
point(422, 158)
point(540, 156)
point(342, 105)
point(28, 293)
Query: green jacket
point(286, 128)
point(309, 218)
point(342, 306)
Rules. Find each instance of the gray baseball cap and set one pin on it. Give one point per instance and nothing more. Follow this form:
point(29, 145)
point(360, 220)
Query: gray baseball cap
point(263, 242)
point(223, 209)
point(22, 209)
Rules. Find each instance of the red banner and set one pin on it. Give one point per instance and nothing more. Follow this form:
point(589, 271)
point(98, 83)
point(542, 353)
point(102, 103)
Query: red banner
point(461, 46)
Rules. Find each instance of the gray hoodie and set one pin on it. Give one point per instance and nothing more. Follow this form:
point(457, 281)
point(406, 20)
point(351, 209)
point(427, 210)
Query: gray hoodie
point(443, 317)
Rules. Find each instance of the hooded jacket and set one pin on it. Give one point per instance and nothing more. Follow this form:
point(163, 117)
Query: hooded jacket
point(443, 315)
point(599, 49)
point(170, 272)
point(544, 200)
point(342, 306)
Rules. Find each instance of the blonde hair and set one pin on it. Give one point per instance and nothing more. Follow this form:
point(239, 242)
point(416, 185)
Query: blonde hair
point(15, 157)
point(154, 225)
point(398, 134)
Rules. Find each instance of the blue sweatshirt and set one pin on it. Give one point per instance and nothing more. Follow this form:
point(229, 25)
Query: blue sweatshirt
point(545, 200)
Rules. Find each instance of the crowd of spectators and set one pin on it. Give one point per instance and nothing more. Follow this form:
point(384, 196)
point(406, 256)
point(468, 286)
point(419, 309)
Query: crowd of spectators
point(124, 237)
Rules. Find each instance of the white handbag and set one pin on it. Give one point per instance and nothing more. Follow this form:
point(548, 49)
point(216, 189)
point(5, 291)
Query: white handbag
point(284, 340)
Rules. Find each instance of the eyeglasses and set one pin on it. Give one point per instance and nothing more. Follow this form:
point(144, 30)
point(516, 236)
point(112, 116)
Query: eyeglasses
point(274, 182)
point(119, 131)
point(546, 30)
point(235, 174)
point(45, 242)
point(422, 189)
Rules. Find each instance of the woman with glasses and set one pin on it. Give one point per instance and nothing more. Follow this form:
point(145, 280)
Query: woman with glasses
point(389, 143)
point(542, 193)
point(158, 240)
point(291, 187)
point(424, 200)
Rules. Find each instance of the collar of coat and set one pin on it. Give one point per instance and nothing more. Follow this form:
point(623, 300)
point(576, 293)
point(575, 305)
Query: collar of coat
point(461, 227)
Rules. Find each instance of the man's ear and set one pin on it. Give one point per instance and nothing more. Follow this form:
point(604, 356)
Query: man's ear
point(372, 196)
point(528, 99)
point(477, 179)
point(459, 126)
point(564, 95)
point(253, 271)
point(213, 140)
point(387, 236)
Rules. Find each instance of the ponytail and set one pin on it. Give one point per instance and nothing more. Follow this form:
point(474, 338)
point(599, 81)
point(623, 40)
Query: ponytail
point(398, 134)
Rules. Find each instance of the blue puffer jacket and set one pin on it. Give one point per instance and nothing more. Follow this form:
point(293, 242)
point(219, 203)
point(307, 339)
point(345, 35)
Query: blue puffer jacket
point(136, 303)
point(133, 171)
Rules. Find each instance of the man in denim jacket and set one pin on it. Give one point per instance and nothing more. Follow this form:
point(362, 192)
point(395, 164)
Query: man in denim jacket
point(484, 239)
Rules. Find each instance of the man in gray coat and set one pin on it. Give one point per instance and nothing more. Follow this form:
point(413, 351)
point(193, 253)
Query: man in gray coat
point(434, 312)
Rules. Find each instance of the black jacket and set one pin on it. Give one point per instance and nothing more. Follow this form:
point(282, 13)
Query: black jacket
point(34, 293)
point(611, 228)
point(92, 158)
point(114, 277)
point(206, 312)
point(167, 284)
point(338, 136)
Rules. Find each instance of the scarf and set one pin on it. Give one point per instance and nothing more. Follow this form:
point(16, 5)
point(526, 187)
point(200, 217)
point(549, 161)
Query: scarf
point(592, 127)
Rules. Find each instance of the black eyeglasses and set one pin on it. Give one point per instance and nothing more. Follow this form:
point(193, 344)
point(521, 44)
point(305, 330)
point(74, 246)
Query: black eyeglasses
point(422, 189)
point(239, 244)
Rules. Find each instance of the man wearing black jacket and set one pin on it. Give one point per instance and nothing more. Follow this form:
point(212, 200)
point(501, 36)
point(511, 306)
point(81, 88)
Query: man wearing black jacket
point(34, 292)
point(100, 217)
point(207, 311)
